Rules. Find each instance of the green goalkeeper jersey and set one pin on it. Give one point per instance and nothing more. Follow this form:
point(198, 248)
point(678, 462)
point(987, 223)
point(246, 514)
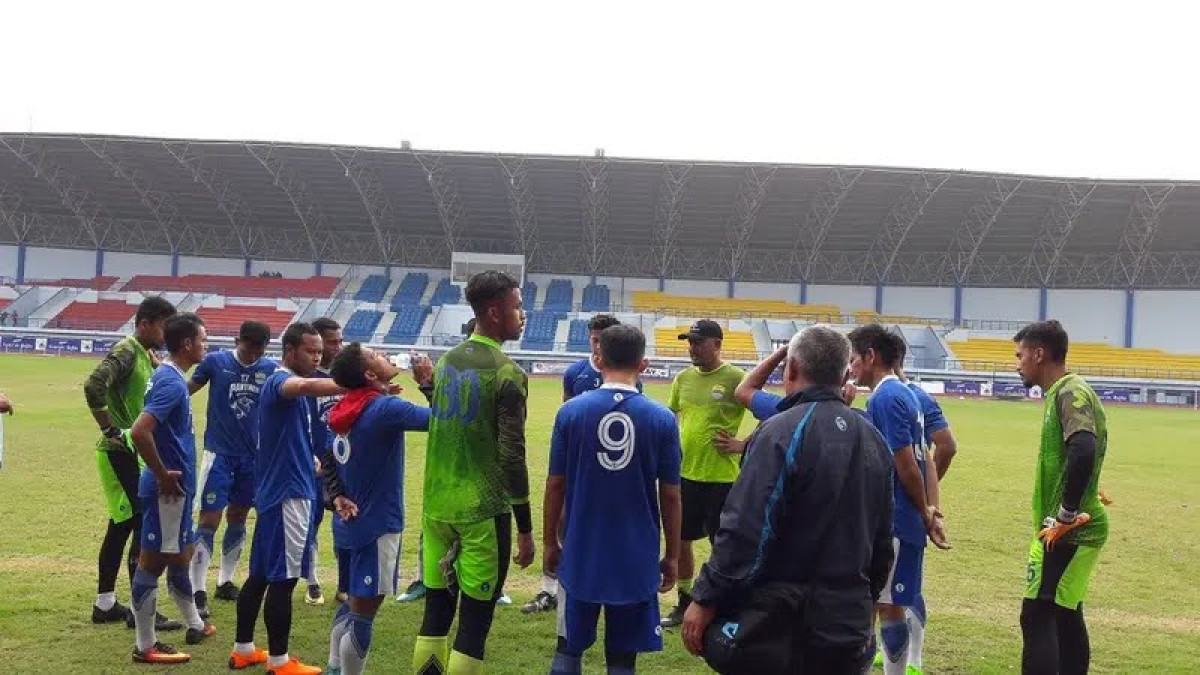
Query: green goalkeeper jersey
point(118, 384)
point(475, 462)
point(1071, 406)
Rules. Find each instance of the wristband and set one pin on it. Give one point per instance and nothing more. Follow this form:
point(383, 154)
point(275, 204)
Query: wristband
point(524, 518)
point(111, 432)
point(1066, 515)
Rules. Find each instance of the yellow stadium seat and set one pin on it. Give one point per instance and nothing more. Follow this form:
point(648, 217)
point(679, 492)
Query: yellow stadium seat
point(1085, 358)
point(654, 302)
point(736, 344)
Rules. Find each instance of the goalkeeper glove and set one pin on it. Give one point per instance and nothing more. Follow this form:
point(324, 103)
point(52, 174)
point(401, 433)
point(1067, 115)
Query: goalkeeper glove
point(1054, 529)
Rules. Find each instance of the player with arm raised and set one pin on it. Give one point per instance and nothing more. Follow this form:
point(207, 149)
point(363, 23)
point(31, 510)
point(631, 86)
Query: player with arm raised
point(115, 393)
point(285, 496)
point(234, 379)
point(475, 476)
point(895, 412)
point(614, 465)
point(368, 447)
point(1070, 523)
point(164, 437)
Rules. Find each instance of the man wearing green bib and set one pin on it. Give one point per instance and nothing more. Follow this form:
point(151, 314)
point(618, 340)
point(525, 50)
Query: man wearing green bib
point(1069, 521)
point(703, 399)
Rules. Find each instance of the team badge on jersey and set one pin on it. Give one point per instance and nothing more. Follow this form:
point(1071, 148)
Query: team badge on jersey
point(718, 392)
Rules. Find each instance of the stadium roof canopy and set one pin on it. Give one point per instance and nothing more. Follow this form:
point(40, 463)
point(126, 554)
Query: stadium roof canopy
point(596, 215)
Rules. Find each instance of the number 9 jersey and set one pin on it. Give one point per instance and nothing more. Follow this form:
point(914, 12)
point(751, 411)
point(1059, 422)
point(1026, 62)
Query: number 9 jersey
point(613, 446)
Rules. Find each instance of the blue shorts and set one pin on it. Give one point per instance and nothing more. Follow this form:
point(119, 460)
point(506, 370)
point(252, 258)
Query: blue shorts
point(166, 524)
point(904, 581)
point(628, 629)
point(283, 537)
point(224, 480)
point(372, 570)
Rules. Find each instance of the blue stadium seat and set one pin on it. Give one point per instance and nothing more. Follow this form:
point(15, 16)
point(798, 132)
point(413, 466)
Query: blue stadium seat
point(596, 298)
point(540, 327)
point(529, 294)
point(362, 324)
point(407, 326)
point(410, 291)
point(373, 288)
point(446, 293)
point(560, 294)
point(578, 339)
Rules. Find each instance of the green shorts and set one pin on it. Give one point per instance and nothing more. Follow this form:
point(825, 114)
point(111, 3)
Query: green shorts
point(1061, 575)
point(481, 563)
point(119, 474)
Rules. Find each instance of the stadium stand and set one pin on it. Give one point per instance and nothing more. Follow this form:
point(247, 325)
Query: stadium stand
point(228, 319)
point(578, 339)
point(237, 287)
point(865, 317)
point(654, 302)
point(560, 295)
point(529, 294)
point(412, 288)
point(362, 324)
point(446, 293)
point(101, 315)
point(373, 288)
point(596, 298)
point(1085, 358)
point(102, 283)
point(407, 326)
point(735, 345)
point(540, 328)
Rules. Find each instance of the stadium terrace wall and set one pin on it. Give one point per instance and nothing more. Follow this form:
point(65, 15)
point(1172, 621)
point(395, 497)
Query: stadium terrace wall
point(1160, 319)
point(1000, 385)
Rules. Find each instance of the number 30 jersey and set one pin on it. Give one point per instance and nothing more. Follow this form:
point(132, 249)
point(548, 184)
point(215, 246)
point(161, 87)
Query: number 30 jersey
point(475, 464)
point(613, 446)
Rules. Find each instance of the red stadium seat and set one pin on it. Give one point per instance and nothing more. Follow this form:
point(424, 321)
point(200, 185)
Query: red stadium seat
point(95, 283)
point(103, 315)
point(226, 321)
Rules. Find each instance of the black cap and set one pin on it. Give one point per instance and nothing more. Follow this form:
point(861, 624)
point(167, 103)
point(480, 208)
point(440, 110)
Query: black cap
point(704, 328)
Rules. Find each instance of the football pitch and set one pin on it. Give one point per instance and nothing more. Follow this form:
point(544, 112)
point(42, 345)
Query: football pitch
point(1142, 611)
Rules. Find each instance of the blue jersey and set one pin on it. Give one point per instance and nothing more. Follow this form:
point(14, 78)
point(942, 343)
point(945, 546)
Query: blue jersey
point(935, 421)
point(283, 467)
point(764, 405)
point(614, 446)
point(895, 412)
point(370, 464)
point(168, 402)
point(581, 377)
point(322, 436)
point(233, 391)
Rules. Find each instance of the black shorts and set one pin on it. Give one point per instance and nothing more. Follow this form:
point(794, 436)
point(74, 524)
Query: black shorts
point(702, 504)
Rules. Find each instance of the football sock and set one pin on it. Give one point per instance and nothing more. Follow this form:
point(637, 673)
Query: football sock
point(231, 551)
point(145, 608)
point(356, 643)
point(179, 587)
point(312, 563)
point(549, 584)
point(916, 628)
point(1039, 632)
point(109, 562)
point(461, 664)
point(895, 646)
point(620, 663)
point(474, 624)
point(201, 557)
point(106, 601)
point(430, 655)
point(249, 602)
point(341, 624)
point(1074, 650)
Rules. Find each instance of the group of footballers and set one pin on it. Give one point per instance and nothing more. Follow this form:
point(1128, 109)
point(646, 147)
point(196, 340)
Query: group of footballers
point(632, 484)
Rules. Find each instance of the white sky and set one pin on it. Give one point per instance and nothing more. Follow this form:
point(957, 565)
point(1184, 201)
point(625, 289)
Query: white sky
point(1083, 89)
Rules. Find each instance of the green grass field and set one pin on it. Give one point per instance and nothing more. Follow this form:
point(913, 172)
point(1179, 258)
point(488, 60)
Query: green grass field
point(1142, 611)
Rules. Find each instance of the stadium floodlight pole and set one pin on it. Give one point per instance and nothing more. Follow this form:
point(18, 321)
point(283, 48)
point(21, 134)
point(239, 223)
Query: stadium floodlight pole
point(668, 214)
point(229, 203)
point(818, 218)
point(445, 198)
point(78, 201)
point(1133, 251)
point(593, 178)
point(310, 217)
point(174, 226)
point(379, 210)
point(740, 227)
point(521, 204)
point(895, 228)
